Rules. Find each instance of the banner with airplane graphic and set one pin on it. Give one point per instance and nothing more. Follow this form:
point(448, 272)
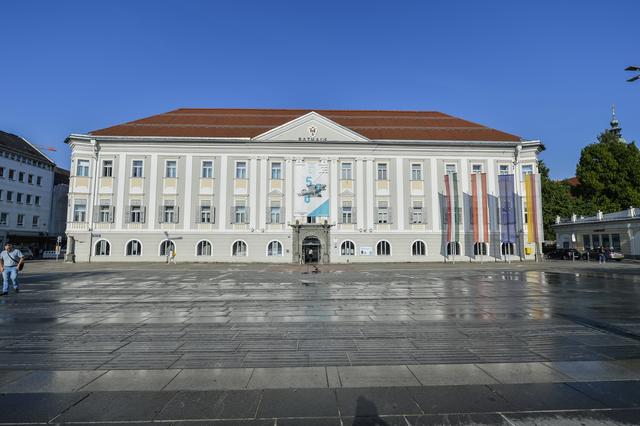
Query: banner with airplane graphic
point(311, 187)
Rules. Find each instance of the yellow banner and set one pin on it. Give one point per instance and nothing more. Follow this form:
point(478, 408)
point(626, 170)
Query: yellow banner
point(531, 212)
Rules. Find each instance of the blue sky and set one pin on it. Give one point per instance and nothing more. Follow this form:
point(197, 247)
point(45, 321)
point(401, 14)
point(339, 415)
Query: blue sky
point(540, 69)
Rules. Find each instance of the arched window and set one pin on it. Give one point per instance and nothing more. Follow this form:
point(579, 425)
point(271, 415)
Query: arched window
point(166, 247)
point(103, 248)
point(203, 248)
point(480, 249)
point(453, 248)
point(383, 248)
point(418, 248)
point(347, 248)
point(134, 248)
point(239, 248)
point(508, 248)
point(274, 248)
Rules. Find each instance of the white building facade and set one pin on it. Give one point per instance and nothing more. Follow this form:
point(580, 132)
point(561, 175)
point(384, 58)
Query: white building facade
point(285, 186)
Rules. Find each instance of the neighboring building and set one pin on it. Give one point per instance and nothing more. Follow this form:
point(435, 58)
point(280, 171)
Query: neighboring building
point(26, 184)
point(261, 185)
point(619, 231)
point(59, 203)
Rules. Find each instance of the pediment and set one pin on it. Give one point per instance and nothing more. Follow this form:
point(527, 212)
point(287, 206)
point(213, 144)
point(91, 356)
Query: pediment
point(347, 193)
point(276, 193)
point(311, 127)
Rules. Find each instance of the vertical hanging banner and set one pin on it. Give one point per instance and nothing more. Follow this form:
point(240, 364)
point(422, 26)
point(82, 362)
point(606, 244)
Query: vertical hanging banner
point(507, 198)
point(311, 180)
point(533, 190)
point(480, 204)
point(452, 199)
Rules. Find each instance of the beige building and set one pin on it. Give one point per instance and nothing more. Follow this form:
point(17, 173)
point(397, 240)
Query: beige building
point(260, 185)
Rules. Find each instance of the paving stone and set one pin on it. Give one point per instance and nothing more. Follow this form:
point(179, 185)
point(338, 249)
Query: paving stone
point(36, 407)
point(298, 403)
point(326, 421)
point(211, 405)
point(375, 376)
point(117, 406)
point(523, 373)
point(546, 396)
point(277, 378)
point(211, 379)
point(460, 399)
point(451, 374)
point(579, 418)
point(372, 402)
point(616, 394)
point(458, 420)
point(51, 381)
point(594, 370)
point(132, 380)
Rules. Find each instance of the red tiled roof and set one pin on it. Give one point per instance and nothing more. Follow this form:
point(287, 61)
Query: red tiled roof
point(572, 181)
point(249, 123)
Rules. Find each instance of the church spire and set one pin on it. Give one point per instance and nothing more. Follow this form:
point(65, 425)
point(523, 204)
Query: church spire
point(615, 124)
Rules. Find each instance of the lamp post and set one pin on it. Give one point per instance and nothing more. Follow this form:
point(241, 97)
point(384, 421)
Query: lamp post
point(633, 69)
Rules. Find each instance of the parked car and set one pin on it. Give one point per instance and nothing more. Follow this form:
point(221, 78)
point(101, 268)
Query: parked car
point(592, 254)
point(26, 252)
point(564, 254)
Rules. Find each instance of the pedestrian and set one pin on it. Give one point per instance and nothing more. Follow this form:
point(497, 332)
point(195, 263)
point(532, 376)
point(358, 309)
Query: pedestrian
point(601, 258)
point(172, 259)
point(11, 262)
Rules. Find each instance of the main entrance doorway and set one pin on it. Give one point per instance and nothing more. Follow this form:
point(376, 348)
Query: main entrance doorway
point(311, 250)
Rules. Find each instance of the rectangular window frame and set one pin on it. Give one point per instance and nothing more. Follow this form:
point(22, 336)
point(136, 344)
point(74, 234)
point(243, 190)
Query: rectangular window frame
point(137, 170)
point(171, 171)
point(382, 171)
point(276, 170)
point(346, 170)
point(240, 172)
point(416, 172)
point(107, 168)
point(206, 167)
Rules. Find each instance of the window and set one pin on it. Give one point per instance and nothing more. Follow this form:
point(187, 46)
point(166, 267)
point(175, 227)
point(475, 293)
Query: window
point(240, 214)
point(205, 214)
point(103, 248)
point(37, 200)
point(383, 248)
point(28, 199)
point(134, 248)
point(1, 172)
point(35, 222)
point(276, 170)
point(21, 177)
point(596, 241)
point(347, 248)
point(1, 194)
point(136, 168)
point(169, 214)
point(615, 242)
point(586, 241)
point(167, 247)
point(503, 169)
point(274, 214)
point(450, 168)
point(416, 214)
point(203, 248)
point(171, 169)
point(480, 249)
point(453, 248)
point(10, 196)
point(241, 170)
point(605, 241)
point(347, 213)
point(383, 212)
point(346, 171)
point(80, 211)
point(507, 248)
point(19, 197)
point(30, 179)
point(418, 248)
point(4, 218)
point(136, 214)
point(476, 168)
point(239, 248)
point(525, 210)
point(207, 169)
point(416, 172)
point(527, 169)
point(382, 171)
point(107, 168)
point(12, 174)
point(274, 248)
point(82, 168)
point(104, 213)
point(20, 220)
point(39, 181)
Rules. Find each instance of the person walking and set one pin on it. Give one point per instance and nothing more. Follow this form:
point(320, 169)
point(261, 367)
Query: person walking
point(601, 258)
point(11, 261)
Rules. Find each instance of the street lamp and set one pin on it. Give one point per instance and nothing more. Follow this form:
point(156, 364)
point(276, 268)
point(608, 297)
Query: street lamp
point(634, 69)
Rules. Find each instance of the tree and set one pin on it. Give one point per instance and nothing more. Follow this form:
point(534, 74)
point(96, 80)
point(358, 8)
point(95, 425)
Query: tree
point(609, 173)
point(557, 200)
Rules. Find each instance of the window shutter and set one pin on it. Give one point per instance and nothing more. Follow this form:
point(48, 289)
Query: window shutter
point(112, 214)
point(213, 215)
point(127, 215)
point(161, 214)
point(143, 213)
point(176, 214)
point(281, 214)
point(96, 213)
point(389, 215)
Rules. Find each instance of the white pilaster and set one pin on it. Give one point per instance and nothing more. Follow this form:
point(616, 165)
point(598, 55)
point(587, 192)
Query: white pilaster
point(464, 189)
point(435, 197)
point(333, 191)
point(262, 195)
point(288, 189)
point(188, 190)
point(253, 192)
point(370, 193)
point(224, 203)
point(360, 194)
point(400, 199)
point(153, 189)
point(122, 177)
point(491, 177)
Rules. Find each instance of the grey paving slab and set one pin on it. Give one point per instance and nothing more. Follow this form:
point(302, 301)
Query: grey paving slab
point(211, 379)
point(288, 377)
point(579, 418)
point(546, 396)
point(51, 381)
point(36, 407)
point(211, 405)
point(132, 380)
point(617, 394)
point(298, 403)
point(9, 376)
point(481, 419)
point(117, 406)
point(372, 402)
point(594, 370)
point(523, 373)
point(375, 376)
point(451, 374)
point(459, 399)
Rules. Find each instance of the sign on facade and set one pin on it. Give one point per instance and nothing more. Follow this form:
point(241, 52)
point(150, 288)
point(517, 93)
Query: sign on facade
point(311, 182)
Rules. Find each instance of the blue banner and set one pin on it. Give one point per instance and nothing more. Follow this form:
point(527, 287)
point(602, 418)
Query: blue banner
point(507, 209)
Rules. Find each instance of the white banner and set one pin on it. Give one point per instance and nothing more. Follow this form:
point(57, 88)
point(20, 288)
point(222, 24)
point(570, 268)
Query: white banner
point(311, 186)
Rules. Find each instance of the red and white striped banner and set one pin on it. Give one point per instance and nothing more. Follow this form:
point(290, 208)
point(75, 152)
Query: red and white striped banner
point(480, 205)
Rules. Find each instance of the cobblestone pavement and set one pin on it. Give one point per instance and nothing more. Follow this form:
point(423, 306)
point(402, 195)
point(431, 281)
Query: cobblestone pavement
point(80, 338)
